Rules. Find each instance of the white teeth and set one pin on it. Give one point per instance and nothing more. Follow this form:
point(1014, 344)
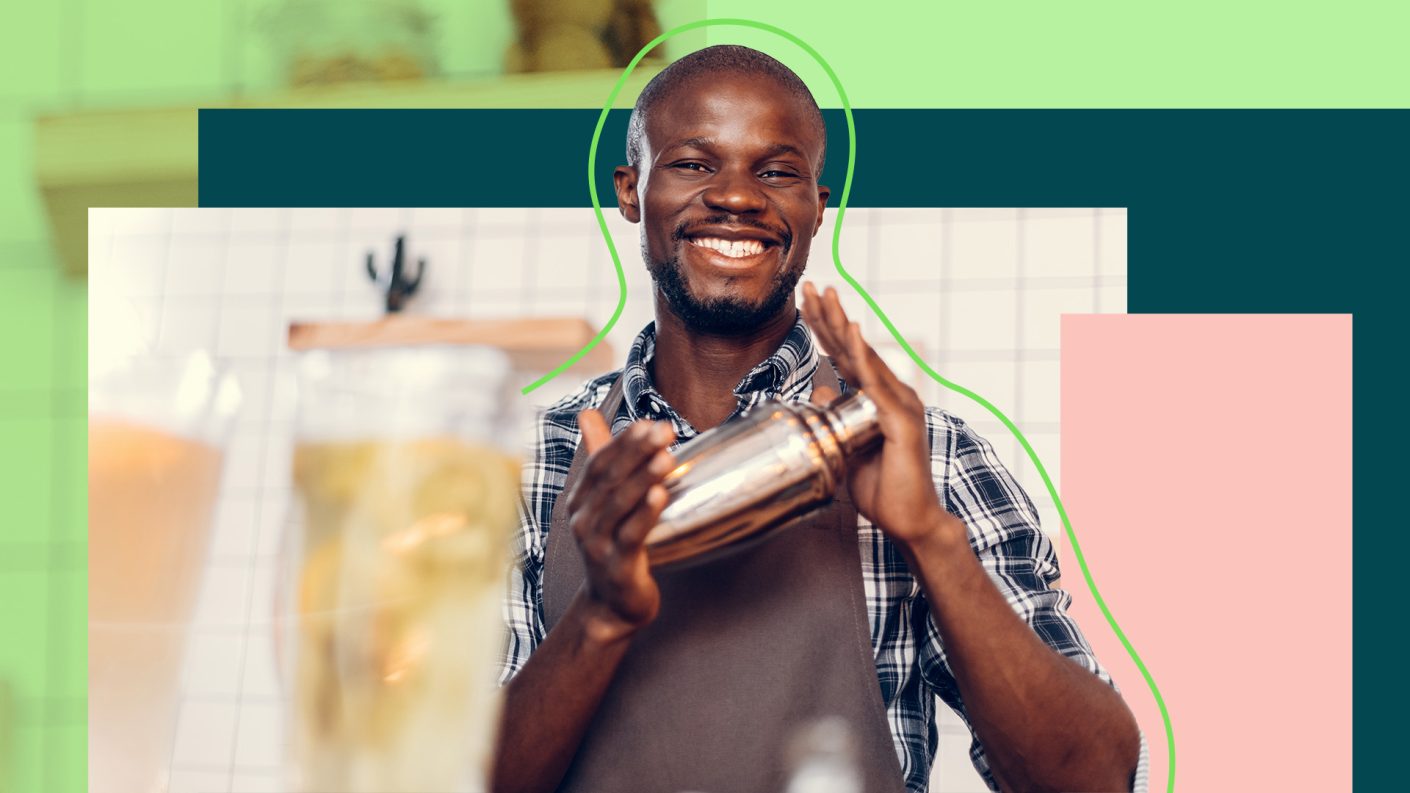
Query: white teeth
point(732, 248)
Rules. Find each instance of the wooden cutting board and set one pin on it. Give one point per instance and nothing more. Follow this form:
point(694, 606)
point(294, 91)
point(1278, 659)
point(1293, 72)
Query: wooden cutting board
point(535, 345)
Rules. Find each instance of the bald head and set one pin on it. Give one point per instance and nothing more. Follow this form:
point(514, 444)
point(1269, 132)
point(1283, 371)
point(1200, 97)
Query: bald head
point(720, 62)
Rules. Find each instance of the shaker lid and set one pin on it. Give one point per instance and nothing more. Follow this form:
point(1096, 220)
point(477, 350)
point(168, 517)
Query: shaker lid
point(854, 421)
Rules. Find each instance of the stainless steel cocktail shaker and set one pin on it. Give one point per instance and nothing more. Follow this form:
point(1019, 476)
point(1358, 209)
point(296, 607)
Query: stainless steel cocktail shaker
point(755, 474)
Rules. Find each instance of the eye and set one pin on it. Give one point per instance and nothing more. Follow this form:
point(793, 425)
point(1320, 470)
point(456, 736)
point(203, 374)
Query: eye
point(698, 167)
point(779, 174)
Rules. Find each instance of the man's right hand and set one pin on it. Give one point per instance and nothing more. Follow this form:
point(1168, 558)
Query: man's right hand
point(617, 500)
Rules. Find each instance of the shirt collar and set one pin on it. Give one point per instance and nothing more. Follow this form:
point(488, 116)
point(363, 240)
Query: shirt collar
point(786, 374)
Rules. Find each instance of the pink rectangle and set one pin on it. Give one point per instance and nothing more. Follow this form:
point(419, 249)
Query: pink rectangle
point(1206, 468)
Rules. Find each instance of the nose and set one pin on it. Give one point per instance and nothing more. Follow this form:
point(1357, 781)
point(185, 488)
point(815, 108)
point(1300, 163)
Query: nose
point(734, 191)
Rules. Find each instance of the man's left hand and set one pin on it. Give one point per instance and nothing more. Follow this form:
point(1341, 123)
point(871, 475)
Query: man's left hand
point(892, 486)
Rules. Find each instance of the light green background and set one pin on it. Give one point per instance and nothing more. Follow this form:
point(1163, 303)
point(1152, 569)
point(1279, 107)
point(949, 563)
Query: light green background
point(84, 54)
point(1113, 53)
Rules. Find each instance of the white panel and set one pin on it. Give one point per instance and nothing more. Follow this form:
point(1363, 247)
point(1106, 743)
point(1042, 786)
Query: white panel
point(259, 740)
point(195, 264)
point(992, 380)
point(257, 222)
point(307, 264)
point(212, 665)
point(200, 222)
point(1041, 386)
point(912, 251)
point(187, 324)
point(314, 267)
point(1059, 245)
point(983, 248)
point(185, 780)
point(253, 267)
point(1042, 312)
point(249, 328)
point(982, 321)
point(224, 598)
point(311, 220)
point(497, 262)
point(137, 264)
point(234, 527)
point(261, 675)
point(205, 733)
point(1111, 243)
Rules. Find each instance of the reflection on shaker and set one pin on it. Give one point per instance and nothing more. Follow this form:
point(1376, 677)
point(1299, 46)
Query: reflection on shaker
point(752, 476)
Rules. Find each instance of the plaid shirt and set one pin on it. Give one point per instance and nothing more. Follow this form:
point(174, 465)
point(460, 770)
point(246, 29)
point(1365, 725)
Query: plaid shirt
point(910, 657)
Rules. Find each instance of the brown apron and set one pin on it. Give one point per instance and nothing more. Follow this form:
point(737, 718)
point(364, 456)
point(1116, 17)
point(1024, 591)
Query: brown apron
point(746, 649)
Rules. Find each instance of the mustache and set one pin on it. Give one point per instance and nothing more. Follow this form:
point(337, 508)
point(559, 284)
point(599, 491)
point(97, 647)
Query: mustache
point(686, 228)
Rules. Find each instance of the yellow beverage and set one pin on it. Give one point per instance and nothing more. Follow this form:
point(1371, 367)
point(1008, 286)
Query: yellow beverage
point(398, 591)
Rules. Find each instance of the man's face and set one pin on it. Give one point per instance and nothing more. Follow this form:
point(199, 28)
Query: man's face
point(727, 195)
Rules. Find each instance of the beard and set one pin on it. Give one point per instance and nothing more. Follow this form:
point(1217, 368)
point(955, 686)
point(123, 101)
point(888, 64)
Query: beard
point(726, 315)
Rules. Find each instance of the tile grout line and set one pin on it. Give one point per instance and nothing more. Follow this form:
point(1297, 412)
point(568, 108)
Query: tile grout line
point(1096, 261)
point(1020, 305)
point(216, 317)
point(946, 252)
point(530, 269)
point(284, 236)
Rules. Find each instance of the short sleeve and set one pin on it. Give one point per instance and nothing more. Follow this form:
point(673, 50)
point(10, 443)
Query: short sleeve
point(523, 602)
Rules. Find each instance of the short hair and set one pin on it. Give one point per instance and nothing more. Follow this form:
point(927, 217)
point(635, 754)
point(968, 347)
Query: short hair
point(714, 60)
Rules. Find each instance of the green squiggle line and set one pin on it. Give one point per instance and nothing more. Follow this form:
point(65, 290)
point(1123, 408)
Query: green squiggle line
point(837, 260)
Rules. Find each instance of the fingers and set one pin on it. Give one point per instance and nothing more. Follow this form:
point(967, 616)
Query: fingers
point(857, 361)
point(832, 342)
point(635, 506)
point(875, 376)
point(613, 498)
point(642, 520)
point(843, 339)
point(615, 457)
point(833, 314)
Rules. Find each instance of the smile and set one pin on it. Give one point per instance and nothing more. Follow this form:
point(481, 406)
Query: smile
point(734, 249)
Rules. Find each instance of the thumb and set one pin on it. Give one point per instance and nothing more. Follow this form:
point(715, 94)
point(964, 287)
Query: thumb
point(595, 431)
point(823, 395)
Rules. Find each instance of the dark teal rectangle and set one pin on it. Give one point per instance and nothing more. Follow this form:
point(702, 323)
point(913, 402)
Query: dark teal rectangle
point(1231, 211)
point(538, 158)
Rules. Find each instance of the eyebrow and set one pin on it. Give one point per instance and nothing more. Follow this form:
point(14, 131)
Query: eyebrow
point(772, 151)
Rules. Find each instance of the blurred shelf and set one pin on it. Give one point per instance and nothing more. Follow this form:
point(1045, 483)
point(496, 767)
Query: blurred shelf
point(146, 157)
point(536, 344)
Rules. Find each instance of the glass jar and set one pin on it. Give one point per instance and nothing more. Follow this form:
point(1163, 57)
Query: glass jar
point(394, 567)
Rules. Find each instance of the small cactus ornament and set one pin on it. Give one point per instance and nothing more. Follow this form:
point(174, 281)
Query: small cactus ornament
point(397, 285)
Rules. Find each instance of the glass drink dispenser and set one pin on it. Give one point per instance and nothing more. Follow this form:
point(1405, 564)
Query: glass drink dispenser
point(394, 567)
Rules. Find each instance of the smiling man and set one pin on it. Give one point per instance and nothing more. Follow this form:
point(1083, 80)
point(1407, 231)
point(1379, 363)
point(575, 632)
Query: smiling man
point(928, 577)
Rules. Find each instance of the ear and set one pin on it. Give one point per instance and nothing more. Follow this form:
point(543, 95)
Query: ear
point(624, 179)
point(823, 194)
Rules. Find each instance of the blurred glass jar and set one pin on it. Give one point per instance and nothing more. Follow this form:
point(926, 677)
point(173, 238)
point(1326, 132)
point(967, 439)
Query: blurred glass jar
point(326, 42)
point(395, 567)
point(157, 429)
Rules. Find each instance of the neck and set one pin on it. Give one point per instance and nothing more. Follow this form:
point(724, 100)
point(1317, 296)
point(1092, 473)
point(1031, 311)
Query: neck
point(697, 372)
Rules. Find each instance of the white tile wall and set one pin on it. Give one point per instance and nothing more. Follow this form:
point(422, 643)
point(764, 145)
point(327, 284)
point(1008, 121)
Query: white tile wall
point(977, 292)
